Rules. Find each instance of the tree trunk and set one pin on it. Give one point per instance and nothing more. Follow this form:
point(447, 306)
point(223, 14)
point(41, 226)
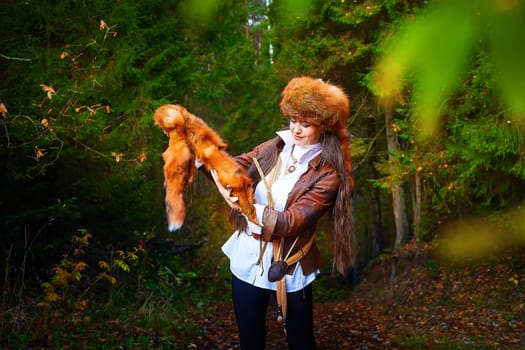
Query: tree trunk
point(375, 194)
point(417, 207)
point(375, 211)
point(398, 195)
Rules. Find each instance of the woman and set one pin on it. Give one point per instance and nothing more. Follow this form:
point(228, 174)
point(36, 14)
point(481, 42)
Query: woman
point(307, 173)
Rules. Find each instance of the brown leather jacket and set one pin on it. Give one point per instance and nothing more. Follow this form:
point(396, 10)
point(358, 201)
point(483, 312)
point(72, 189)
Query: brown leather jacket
point(312, 196)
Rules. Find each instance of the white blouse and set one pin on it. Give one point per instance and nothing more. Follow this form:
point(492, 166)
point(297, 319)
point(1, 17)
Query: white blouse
point(243, 250)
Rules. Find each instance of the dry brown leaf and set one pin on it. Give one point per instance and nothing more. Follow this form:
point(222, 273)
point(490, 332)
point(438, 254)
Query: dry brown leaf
point(39, 152)
point(49, 90)
point(118, 156)
point(3, 110)
point(142, 157)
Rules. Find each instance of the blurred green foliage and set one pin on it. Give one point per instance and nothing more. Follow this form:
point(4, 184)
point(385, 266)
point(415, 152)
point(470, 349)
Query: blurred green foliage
point(433, 50)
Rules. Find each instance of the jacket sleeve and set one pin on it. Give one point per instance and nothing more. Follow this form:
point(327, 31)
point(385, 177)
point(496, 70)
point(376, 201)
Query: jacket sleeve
point(312, 197)
point(245, 160)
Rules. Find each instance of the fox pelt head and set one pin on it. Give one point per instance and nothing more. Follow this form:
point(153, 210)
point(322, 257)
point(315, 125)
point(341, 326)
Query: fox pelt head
point(188, 132)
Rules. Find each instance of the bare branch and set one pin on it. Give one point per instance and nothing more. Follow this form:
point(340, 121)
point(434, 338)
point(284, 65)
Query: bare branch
point(15, 58)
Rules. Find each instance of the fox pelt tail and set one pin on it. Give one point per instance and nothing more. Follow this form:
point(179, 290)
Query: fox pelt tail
point(179, 164)
point(179, 168)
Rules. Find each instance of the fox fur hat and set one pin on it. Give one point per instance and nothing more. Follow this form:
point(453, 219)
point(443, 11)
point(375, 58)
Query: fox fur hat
point(316, 102)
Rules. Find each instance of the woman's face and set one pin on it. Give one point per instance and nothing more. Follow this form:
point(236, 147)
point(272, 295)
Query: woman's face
point(304, 133)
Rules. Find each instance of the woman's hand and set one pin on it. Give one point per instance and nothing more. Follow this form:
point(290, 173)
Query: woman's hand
point(225, 192)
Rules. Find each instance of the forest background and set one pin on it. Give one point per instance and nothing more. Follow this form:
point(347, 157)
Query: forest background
point(436, 126)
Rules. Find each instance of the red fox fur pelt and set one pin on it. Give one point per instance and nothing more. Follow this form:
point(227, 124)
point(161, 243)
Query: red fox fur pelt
point(191, 138)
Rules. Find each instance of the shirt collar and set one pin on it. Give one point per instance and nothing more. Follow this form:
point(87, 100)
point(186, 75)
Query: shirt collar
point(286, 136)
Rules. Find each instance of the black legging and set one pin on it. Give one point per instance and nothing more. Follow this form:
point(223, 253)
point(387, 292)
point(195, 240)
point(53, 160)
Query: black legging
point(250, 304)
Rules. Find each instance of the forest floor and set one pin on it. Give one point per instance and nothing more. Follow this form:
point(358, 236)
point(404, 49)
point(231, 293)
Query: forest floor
point(405, 301)
point(408, 299)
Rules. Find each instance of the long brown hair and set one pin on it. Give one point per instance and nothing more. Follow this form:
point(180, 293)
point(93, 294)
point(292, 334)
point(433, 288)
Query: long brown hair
point(336, 152)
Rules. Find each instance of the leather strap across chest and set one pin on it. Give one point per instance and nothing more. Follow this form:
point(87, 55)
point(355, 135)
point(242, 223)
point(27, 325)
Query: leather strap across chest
point(278, 246)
